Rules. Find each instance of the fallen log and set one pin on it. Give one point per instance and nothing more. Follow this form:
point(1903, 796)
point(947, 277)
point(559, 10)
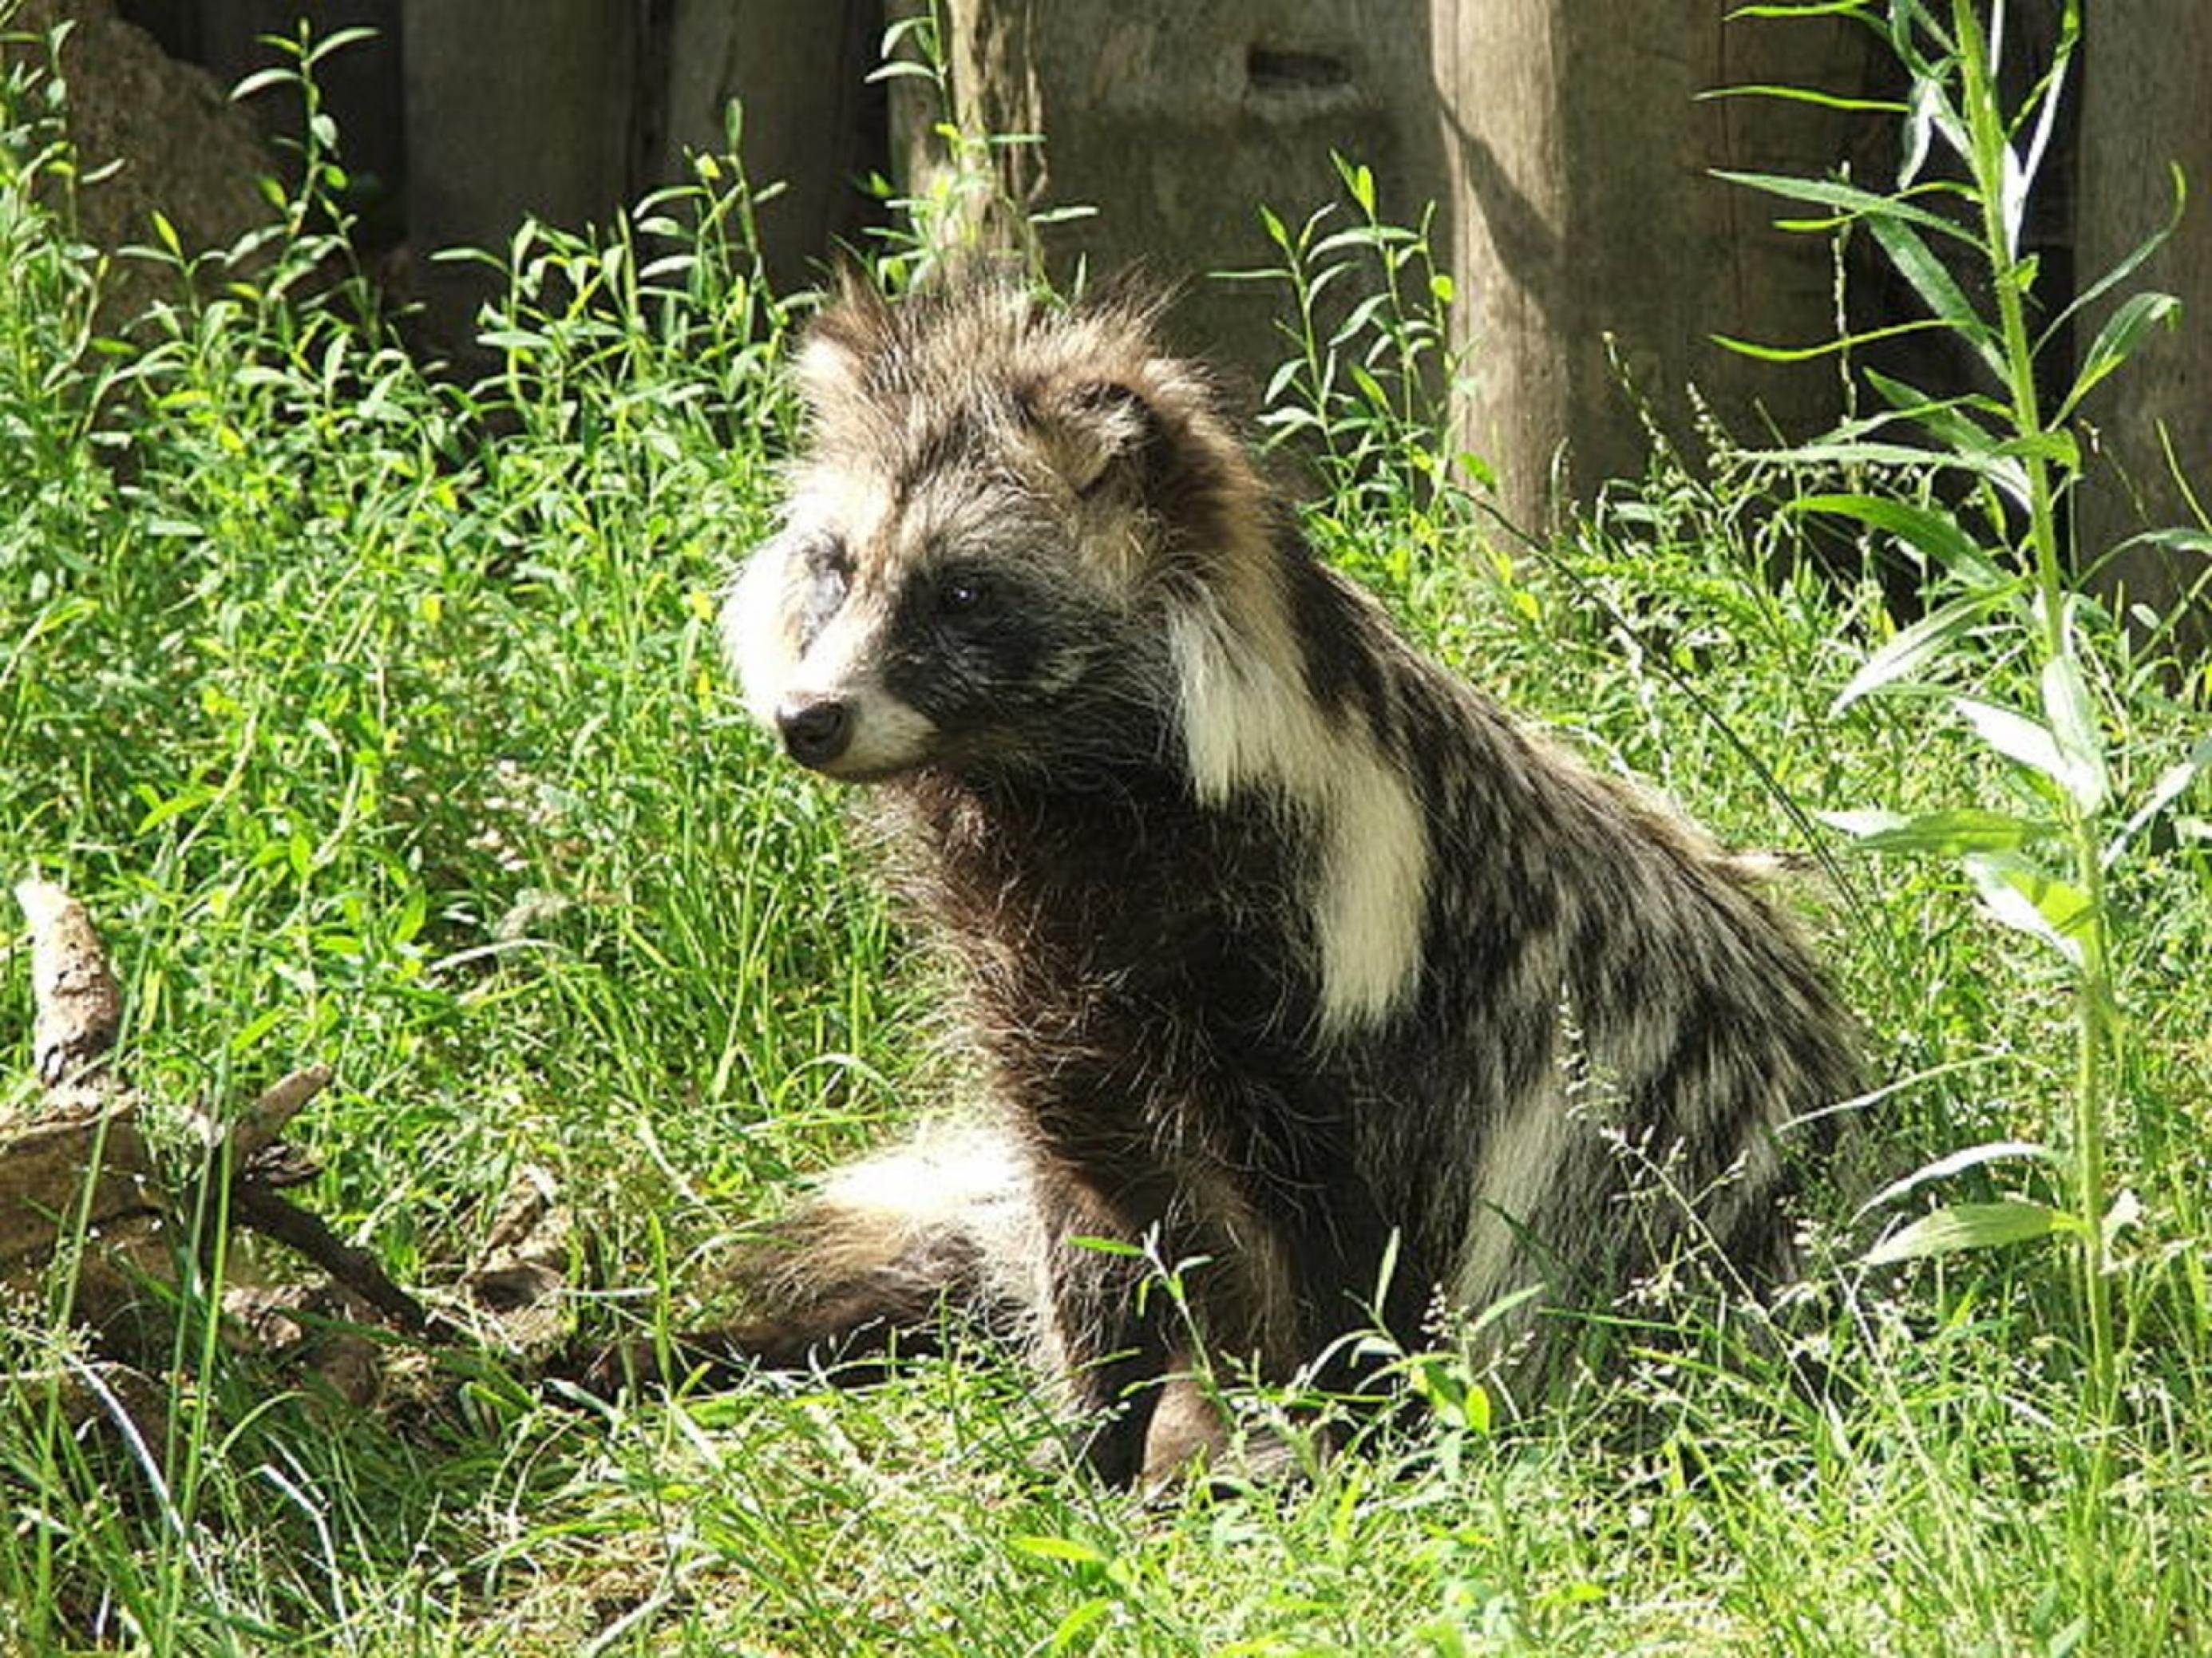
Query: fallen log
point(83, 1211)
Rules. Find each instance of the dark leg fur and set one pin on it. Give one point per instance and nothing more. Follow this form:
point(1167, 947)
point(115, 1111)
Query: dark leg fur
point(1114, 1343)
point(854, 1328)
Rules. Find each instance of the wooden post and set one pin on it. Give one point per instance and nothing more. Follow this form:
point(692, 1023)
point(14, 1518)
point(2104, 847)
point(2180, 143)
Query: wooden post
point(2144, 108)
point(1177, 121)
point(1589, 226)
point(813, 124)
point(514, 107)
point(1564, 145)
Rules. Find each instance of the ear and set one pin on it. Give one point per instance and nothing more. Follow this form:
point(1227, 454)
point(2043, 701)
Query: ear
point(826, 370)
point(834, 353)
point(1099, 435)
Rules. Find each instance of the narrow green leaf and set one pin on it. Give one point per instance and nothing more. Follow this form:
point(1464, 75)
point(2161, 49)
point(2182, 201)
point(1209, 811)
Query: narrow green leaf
point(1957, 1163)
point(2080, 736)
point(1970, 1226)
point(2044, 100)
point(2125, 267)
point(2012, 199)
point(1928, 111)
point(2023, 895)
point(1953, 424)
point(262, 79)
point(338, 40)
point(1860, 822)
point(1952, 832)
point(1913, 649)
point(261, 1024)
point(2126, 1212)
point(2168, 788)
point(1784, 92)
point(1929, 530)
point(2026, 742)
point(1106, 1246)
point(1076, 1625)
point(1917, 262)
point(2116, 341)
point(2176, 537)
point(1848, 199)
point(191, 799)
point(1824, 348)
point(921, 22)
point(2057, 445)
point(1800, 9)
point(1362, 182)
point(1948, 418)
point(1066, 1549)
point(1356, 319)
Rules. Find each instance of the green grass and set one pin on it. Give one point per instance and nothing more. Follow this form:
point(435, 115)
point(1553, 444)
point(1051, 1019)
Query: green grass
point(379, 722)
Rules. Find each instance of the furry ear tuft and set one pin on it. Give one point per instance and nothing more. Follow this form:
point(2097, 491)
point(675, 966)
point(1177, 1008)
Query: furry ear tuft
point(857, 325)
point(826, 370)
point(1097, 433)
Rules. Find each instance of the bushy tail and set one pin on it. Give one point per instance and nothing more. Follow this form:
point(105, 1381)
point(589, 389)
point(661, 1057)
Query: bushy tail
point(935, 1237)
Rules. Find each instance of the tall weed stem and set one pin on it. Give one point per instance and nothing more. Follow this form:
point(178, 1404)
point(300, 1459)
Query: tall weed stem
point(2094, 1011)
point(2011, 640)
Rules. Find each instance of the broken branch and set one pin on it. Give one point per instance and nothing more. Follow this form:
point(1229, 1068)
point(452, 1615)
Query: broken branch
point(268, 1213)
point(80, 1006)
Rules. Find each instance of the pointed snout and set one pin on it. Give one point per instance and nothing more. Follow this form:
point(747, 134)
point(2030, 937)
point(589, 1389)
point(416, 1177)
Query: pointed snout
point(816, 731)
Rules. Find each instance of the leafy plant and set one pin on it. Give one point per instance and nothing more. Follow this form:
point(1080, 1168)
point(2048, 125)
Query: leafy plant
point(1367, 387)
point(2015, 649)
point(968, 201)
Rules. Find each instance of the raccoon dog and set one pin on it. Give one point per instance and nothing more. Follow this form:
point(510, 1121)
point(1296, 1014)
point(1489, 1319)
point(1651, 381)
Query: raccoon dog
point(1284, 951)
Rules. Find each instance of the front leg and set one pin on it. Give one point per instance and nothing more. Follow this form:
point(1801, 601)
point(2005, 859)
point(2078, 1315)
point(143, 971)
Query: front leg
point(1107, 1337)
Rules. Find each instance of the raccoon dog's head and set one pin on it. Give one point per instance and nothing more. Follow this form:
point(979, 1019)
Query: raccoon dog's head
point(997, 501)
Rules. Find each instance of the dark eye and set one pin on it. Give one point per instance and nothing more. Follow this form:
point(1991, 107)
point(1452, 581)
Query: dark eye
point(830, 558)
point(961, 595)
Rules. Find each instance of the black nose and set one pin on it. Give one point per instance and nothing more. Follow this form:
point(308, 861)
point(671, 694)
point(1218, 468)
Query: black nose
point(815, 733)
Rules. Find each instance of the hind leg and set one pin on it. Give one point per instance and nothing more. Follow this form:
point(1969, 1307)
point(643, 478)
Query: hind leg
point(889, 1254)
point(852, 1325)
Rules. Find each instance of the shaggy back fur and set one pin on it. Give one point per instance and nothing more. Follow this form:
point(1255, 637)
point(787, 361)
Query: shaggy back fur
point(1284, 948)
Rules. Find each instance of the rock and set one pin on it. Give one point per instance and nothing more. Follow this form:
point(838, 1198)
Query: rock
point(174, 143)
